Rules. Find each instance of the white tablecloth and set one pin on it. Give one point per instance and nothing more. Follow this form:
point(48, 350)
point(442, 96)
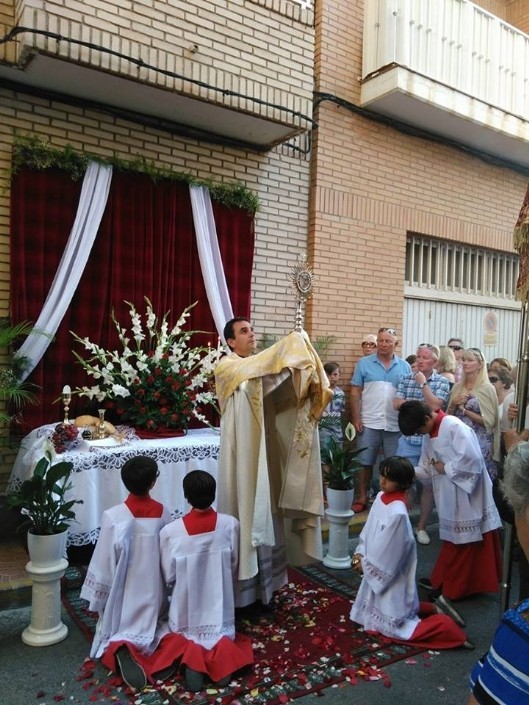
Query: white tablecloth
point(96, 472)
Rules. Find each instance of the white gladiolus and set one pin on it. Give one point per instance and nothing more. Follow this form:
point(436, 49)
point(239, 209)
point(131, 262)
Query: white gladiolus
point(120, 391)
point(123, 374)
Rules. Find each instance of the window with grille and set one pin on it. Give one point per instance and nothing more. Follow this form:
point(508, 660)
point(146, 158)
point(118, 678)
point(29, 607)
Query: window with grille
point(451, 266)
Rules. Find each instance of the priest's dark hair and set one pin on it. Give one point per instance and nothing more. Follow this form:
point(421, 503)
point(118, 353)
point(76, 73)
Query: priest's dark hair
point(398, 469)
point(139, 474)
point(200, 488)
point(228, 331)
point(412, 415)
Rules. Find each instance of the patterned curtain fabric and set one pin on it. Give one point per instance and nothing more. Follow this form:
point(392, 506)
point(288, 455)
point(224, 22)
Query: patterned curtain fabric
point(145, 247)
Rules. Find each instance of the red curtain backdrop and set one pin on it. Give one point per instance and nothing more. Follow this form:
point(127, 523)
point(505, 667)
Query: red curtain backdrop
point(145, 246)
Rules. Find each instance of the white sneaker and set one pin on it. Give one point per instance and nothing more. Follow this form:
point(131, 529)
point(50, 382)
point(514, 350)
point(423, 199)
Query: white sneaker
point(422, 537)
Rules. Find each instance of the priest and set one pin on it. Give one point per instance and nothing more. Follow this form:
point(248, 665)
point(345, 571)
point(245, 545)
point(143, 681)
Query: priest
point(269, 474)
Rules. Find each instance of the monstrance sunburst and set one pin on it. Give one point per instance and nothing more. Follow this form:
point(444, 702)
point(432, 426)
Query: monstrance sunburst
point(302, 278)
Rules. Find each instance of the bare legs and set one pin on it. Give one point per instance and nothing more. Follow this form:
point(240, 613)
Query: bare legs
point(364, 481)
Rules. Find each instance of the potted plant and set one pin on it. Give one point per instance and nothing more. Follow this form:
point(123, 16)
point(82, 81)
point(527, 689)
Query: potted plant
point(42, 500)
point(339, 467)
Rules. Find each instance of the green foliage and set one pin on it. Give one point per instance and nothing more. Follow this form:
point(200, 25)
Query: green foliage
point(12, 389)
point(321, 343)
point(37, 153)
point(42, 497)
point(340, 464)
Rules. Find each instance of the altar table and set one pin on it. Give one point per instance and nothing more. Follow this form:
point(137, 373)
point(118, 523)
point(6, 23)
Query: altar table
point(96, 477)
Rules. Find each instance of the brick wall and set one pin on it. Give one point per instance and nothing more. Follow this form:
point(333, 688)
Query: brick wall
point(518, 14)
point(496, 7)
point(261, 49)
point(515, 12)
point(371, 185)
point(279, 178)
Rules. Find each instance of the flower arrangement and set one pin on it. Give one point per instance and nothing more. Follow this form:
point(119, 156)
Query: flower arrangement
point(157, 380)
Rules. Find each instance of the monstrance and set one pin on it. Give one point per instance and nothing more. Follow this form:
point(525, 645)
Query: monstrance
point(302, 278)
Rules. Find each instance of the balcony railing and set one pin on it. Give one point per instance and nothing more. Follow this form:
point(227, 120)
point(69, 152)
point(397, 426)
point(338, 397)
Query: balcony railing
point(452, 42)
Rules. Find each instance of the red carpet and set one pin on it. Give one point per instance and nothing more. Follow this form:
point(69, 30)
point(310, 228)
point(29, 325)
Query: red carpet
point(303, 644)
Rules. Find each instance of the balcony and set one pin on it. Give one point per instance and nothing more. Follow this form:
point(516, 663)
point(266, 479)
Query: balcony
point(162, 69)
point(451, 68)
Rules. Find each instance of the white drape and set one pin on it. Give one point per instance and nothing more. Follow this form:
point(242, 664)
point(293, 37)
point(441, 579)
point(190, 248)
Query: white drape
point(94, 194)
point(210, 259)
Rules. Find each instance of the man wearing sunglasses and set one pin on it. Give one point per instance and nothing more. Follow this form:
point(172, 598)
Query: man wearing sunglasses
point(373, 387)
point(458, 348)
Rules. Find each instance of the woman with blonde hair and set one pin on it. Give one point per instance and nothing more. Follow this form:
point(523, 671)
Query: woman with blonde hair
point(446, 364)
point(474, 401)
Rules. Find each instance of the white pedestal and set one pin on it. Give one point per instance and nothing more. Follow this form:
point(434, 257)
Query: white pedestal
point(338, 553)
point(46, 627)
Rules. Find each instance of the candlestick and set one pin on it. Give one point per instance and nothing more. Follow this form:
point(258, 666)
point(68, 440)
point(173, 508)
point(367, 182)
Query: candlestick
point(66, 399)
point(101, 428)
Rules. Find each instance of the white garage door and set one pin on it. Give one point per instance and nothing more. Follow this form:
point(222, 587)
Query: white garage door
point(494, 330)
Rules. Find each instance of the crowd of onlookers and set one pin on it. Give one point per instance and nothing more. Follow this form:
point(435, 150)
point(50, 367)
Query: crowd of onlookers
point(440, 421)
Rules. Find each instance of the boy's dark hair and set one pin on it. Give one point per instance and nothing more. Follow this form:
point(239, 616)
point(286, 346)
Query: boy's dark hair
point(398, 469)
point(200, 488)
point(411, 359)
point(139, 474)
point(228, 331)
point(331, 367)
point(412, 415)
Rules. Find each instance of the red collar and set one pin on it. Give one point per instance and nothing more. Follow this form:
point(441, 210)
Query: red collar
point(388, 497)
point(144, 507)
point(197, 522)
point(437, 423)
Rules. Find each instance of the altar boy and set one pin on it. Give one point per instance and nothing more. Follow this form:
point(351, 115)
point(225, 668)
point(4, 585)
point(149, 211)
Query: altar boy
point(199, 555)
point(124, 582)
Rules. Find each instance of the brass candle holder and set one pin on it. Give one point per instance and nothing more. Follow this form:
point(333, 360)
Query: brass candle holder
point(66, 400)
point(101, 428)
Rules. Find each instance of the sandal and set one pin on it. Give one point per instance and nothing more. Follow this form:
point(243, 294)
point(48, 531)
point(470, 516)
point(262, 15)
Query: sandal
point(359, 507)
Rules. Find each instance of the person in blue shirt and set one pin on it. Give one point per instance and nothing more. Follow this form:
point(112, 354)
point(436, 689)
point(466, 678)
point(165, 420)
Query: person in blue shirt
point(373, 388)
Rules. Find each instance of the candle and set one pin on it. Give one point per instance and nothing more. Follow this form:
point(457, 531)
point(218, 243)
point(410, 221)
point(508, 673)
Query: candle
point(66, 389)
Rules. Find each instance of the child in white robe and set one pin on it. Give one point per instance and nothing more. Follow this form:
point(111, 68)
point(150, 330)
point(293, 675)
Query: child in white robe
point(124, 583)
point(199, 555)
point(386, 556)
point(469, 561)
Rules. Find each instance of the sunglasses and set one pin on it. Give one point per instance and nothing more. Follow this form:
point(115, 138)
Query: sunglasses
point(477, 351)
point(391, 331)
point(493, 380)
point(426, 345)
point(369, 345)
point(456, 347)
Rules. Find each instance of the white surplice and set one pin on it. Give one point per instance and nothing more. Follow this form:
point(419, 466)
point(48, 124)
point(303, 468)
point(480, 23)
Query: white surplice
point(387, 600)
point(463, 494)
point(203, 568)
point(124, 582)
